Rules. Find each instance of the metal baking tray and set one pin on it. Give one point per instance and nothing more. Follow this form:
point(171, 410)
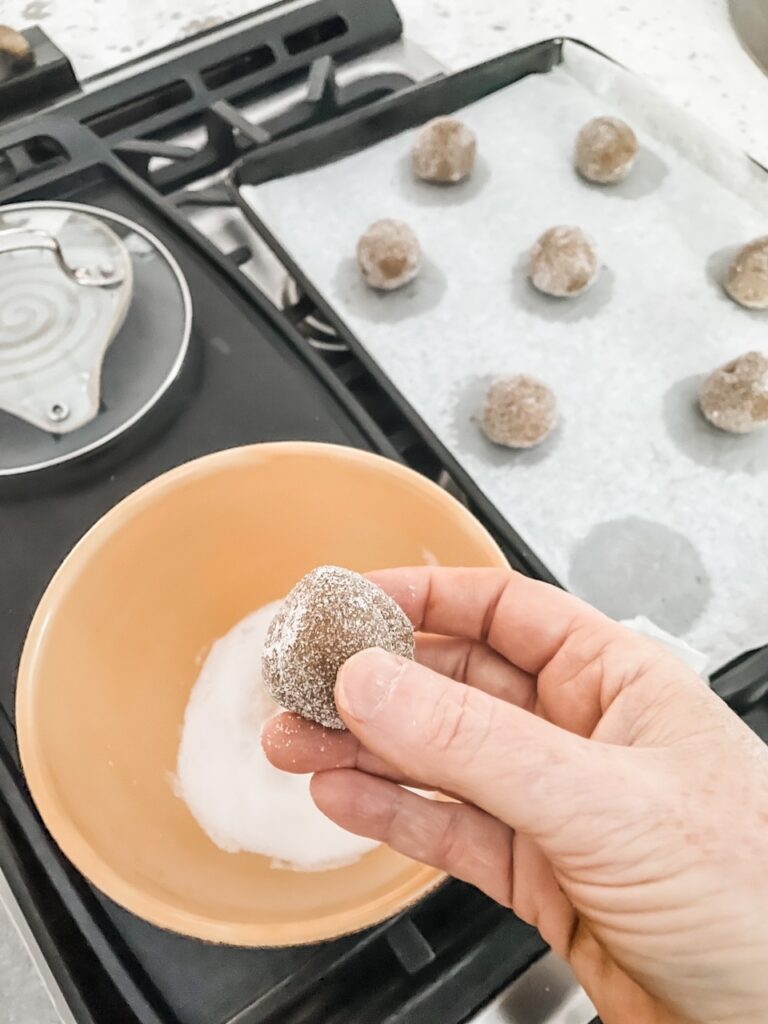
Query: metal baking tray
point(354, 132)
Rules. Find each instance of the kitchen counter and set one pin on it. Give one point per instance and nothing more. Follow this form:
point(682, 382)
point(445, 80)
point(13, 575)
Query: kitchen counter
point(687, 49)
point(24, 998)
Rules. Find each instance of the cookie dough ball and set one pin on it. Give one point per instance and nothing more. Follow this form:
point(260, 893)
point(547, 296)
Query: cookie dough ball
point(389, 255)
point(606, 149)
point(564, 262)
point(445, 151)
point(520, 412)
point(329, 615)
point(15, 47)
point(747, 278)
point(735, 397)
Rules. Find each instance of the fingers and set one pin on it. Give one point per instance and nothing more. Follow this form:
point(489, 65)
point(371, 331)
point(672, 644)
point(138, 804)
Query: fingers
point(524, 620)
point(616, 995)
point(460, 840)
point(456, 739)
point(477, 664)
point(295, 745)
point(538, 898)
point(539, 629)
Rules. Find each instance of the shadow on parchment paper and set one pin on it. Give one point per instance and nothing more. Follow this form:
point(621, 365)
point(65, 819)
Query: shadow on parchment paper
point(717, 271)
point(427, 193)
point(629, 567)
point(647, 174)
point(583, 306)
point(413, 299)
point(468, 402)
point(705, 444)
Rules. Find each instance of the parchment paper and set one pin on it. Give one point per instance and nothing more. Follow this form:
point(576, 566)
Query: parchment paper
point(635, 502)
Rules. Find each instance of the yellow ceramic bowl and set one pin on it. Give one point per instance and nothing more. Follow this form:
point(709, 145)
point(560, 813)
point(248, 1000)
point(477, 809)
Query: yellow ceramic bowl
point(116, 645)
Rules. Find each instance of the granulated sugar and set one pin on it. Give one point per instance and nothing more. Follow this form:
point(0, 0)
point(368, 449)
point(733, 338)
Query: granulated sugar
point(237, 797)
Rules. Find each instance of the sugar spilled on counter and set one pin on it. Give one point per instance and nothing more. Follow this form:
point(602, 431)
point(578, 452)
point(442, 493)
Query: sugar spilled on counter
point(241, 801)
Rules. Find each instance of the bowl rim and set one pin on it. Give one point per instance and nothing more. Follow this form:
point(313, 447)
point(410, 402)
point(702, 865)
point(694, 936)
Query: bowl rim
point(77, 848)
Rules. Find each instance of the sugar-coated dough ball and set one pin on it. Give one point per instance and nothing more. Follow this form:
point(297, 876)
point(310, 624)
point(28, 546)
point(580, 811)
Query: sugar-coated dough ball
point(389, 255)
point(445, 151)
point(329, 615)
point(564, 262)
point(520, 412)
point(606, 149)
point(735, 397)
point(747, 279)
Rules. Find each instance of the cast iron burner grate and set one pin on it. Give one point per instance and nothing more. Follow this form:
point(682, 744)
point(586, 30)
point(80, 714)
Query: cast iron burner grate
point(228, 132)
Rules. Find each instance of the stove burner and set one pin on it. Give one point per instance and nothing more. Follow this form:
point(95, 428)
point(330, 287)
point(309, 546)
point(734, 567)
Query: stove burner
point(140, 366)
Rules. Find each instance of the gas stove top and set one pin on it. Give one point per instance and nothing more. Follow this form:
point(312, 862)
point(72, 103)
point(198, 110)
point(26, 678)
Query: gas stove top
point(164, 147)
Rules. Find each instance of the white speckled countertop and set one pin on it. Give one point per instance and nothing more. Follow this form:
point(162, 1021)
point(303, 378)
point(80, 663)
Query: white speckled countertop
point(686, 47)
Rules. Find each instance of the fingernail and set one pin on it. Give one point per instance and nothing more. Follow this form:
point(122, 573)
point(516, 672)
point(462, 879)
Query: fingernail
point(365, 682)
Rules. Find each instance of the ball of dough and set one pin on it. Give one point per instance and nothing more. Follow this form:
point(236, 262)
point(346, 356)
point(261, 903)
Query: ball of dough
point(747, 279)
point(735, 397)
point(16, 46)
point(520, 412)
point(329, 615)
point(445, 151)
point(564, 262)
point(389, 255)
point(606, 149)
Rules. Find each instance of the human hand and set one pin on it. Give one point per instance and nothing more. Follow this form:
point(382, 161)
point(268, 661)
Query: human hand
point(606, 794)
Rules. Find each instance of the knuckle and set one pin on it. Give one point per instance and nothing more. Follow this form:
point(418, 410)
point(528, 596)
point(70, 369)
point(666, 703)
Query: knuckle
point(460, 723)
point(447, 721)
point(452, 844)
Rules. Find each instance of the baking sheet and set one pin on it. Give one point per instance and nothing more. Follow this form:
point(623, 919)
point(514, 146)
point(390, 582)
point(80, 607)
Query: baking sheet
point(635, 502)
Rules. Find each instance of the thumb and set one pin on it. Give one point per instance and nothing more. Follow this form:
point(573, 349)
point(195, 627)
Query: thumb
point(531, 774)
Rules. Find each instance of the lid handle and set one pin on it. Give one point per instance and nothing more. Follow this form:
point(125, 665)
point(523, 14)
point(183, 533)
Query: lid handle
point(25, 239)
